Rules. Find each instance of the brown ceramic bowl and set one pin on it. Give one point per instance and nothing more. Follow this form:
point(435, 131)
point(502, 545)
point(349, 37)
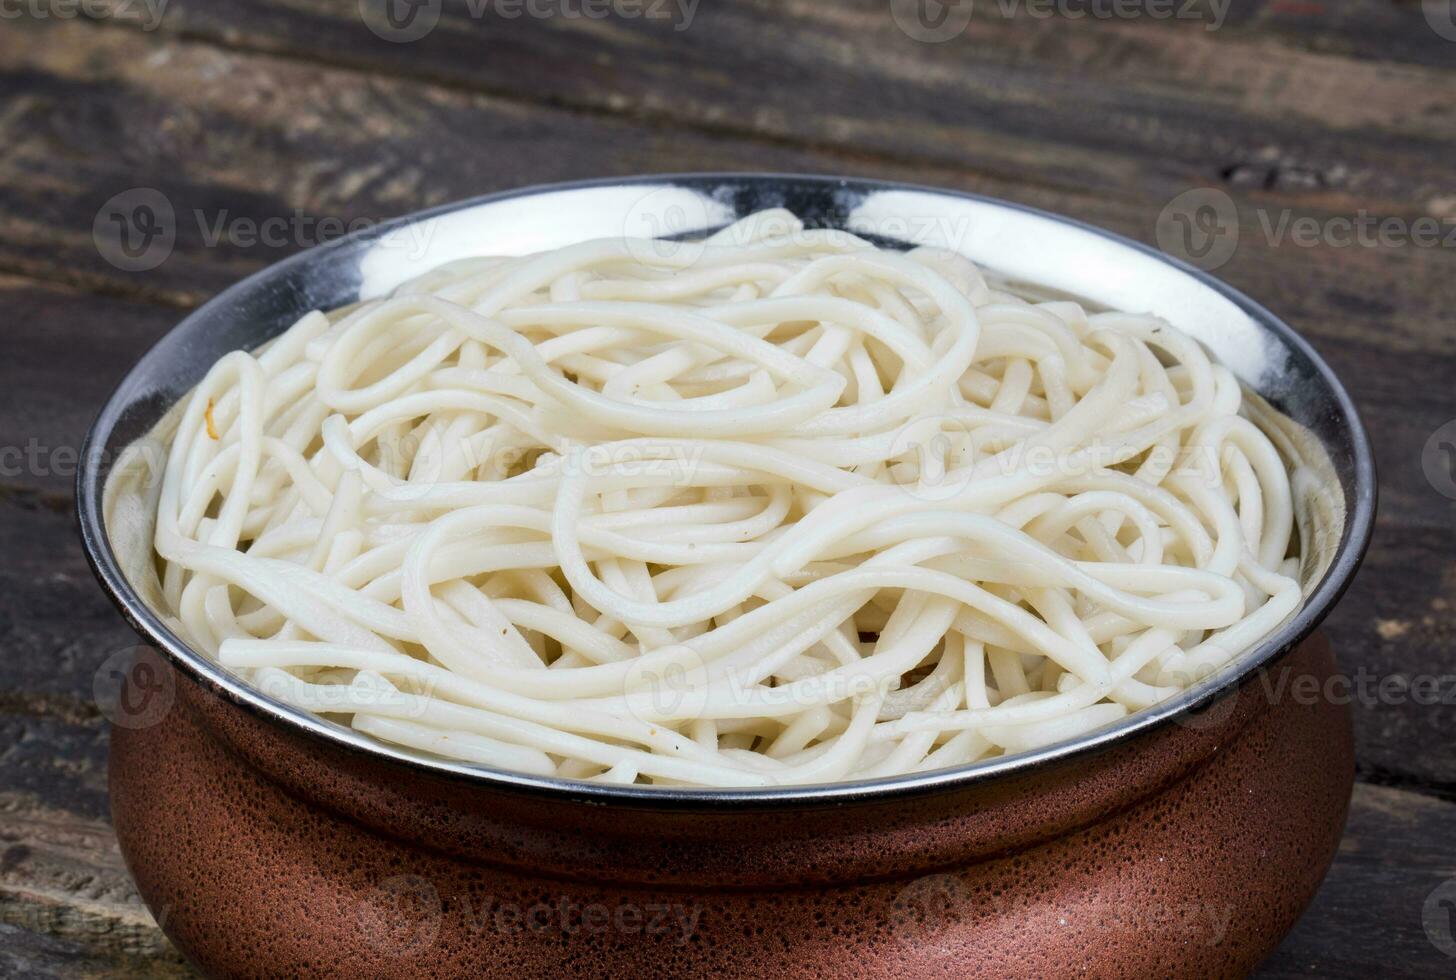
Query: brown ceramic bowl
point(1184, 840)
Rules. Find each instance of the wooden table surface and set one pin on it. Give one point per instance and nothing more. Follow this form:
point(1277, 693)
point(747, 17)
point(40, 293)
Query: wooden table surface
point(1330, 126)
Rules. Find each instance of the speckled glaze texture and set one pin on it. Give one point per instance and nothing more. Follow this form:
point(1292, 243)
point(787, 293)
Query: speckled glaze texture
point(1189, 851)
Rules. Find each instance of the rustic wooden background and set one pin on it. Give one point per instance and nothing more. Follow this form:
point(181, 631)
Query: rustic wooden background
point(293, 109)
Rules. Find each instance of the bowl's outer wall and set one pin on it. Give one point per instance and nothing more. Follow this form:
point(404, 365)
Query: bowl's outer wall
point(263, 856)
point(333, 275)
point(547, 835)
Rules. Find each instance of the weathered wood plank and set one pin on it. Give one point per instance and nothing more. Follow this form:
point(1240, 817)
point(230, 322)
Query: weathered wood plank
point(1405, 31)
point(27, 954)
point(65, 350)
point(1394, 633)
point(55, 640)
point(1021, 95)
point(235, 140)
point(66, 900)
point(1371, 917)
point(390, 146)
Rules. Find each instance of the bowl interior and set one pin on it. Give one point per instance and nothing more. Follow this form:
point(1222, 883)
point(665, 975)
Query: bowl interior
point(1318, 432)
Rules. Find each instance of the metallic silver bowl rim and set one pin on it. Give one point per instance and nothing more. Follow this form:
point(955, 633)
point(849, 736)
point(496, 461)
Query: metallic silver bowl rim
point(1354, 540)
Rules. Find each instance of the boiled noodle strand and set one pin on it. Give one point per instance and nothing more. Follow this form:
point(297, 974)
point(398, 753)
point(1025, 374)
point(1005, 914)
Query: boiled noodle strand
point(774, 508)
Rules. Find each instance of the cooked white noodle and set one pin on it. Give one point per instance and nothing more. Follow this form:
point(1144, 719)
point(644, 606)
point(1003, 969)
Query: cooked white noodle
point(779, 508)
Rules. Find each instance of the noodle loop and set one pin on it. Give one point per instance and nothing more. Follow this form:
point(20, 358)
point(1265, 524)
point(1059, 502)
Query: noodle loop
point(775, 508)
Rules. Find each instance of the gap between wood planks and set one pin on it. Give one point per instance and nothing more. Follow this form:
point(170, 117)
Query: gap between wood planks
point(1376, 775)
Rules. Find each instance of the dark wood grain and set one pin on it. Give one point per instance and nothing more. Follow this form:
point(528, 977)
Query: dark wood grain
point(1028, 128)
point(1373, 30)
point(241, 111)
point(1161, 85)
point(1371, 916)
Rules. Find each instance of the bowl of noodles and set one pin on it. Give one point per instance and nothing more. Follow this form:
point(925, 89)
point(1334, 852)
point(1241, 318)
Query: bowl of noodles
point(729, 574)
